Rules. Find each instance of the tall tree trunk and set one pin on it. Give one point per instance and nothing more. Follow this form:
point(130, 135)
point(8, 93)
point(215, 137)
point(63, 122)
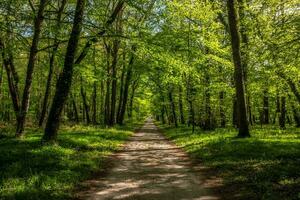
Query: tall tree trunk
point(133, 88)
point(30, 67)
point(12, 78)
point(76, 116)
point(173, 109)
point(51, 64)
point(112, 119)
point(222, 111)
point(108, 81)
point(250, 110)
point(282, 118)
point(86, 108)
point(277, 108)
point(182, 120)
point(121, 95)
point(94, 105)
point(65, 80)
point(208, 114)
point(266, 107)
point(126, 87)
point(238, 74)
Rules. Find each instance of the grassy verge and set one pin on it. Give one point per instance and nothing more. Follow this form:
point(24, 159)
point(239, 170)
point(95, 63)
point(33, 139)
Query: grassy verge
point(29, 170)
point(265, 166)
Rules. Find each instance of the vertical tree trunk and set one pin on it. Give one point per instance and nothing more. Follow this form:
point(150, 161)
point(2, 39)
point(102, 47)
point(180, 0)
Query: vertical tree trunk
point(94, 105)
point(277, 108)
point(266, 107)
point(234, 112)
point(121, 95)
point(30, 67)
point(222, 111)
point(12, 78)
point(112, 119)
point(65, 80)
point(126, 87)
point(51, 64)
point(173, 109)
point(250, 110)
point(282, 118)
point(182, 120)
point(86, 108)
point(76, 116)
point(133, 88)
point(108, 81)
point(208, 114)
point(238, 74)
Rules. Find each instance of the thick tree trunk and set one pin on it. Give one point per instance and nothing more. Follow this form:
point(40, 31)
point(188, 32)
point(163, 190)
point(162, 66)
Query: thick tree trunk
point(238, 74)
point(30, 67)
point(65, 80)
point(51, 64)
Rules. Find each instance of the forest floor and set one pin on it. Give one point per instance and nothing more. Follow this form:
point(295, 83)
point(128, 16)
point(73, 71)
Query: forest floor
point(265, 166)
point(29, 170)
point(151, 168)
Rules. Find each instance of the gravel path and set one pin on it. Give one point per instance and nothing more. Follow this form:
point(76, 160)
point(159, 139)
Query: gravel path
point(150, 168)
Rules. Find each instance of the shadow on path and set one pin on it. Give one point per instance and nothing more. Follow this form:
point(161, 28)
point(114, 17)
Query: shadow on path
point(151, 168)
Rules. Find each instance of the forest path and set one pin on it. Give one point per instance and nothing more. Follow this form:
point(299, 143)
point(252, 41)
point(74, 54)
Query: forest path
point(150, 168)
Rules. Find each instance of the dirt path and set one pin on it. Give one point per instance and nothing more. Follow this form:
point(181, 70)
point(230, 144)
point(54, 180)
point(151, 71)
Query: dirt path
point(150, 168)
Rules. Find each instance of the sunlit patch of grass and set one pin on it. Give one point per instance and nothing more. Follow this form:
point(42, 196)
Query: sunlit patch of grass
point(265, 166)
point(29, 170)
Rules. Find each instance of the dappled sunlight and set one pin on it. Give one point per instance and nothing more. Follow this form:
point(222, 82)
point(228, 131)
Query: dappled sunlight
point(258, 166)
point(150, 167)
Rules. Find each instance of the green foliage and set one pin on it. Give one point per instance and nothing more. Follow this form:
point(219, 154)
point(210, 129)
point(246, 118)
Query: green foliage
point(264, 166)
point(29, 170)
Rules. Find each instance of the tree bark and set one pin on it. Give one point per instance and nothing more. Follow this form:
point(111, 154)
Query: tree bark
point(266, 119)
point(222, 111)
point(173, 109)
point(126, 87)
point(86, 108)
point(182, 120)
point(51, 63)
point(65, 80)
point(121, 95)
point(238, 71)
point(112, 120)
point(30, 67)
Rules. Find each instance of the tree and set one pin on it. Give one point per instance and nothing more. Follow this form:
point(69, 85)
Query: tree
point(65, 79)
point(238, 70)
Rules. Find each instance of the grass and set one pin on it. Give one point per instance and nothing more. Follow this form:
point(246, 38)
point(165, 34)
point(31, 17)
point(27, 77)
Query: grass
point(29, 170)
point(265, 166)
